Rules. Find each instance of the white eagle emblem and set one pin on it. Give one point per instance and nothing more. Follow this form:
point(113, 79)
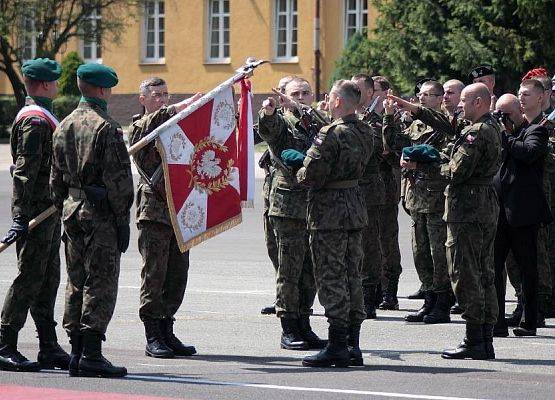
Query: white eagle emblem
point(209, 166)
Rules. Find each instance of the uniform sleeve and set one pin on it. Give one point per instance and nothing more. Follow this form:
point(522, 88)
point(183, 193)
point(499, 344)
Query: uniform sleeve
point(317, 164)
point(437, 120)
point(116, 173)
point(271, 128)
point(464, 160)
point(31, 138)
point(533, 147)
point(58, 188)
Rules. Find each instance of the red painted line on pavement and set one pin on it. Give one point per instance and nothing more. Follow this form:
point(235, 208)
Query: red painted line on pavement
point(12, 392)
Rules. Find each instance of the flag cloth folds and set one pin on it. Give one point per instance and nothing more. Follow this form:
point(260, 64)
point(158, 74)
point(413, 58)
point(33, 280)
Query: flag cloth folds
point(245, 138)
point(200, 157)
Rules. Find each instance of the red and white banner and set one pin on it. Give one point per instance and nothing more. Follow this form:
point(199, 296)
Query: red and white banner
point(245, 139)
point(37, 111)
point(200, 158)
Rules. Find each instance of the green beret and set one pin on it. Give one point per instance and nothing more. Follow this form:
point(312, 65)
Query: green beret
point(422, 153)
point(98, 75)
point(42, 69)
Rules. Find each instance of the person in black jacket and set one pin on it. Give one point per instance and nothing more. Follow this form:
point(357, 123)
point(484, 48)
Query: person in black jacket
point(523, 204)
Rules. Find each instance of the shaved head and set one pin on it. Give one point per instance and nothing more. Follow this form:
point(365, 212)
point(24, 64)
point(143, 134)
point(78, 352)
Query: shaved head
point(507, 102)
point(511, 111)
point(475, 101)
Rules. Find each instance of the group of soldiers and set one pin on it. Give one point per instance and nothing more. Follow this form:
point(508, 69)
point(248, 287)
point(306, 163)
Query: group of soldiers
point(331, 224)
point(82, 168)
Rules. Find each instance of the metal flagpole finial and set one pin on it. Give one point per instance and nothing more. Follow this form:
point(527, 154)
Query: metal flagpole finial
point(250, 64)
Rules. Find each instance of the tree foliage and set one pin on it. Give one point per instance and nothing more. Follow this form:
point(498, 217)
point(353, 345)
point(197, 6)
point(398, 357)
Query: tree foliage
point(51, 24)
point(67, 84)
point(444, 39)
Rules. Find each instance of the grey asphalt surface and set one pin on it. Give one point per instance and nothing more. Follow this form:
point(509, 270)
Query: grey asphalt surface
point(238, 348)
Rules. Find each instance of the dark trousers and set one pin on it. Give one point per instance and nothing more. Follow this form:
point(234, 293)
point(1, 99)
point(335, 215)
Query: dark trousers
point(522, 241)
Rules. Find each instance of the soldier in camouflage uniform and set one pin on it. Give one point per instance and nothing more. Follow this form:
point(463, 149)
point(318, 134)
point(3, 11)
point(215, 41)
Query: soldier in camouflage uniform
point(165, 267)
point(425, 200)
point(336, 216)
point(287, 214)
point(471, 212)
point(38, 260)
point(265, 163)
point(91, 184)
point(373, 188)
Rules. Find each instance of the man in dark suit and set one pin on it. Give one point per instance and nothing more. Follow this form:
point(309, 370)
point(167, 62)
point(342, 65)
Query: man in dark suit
point(523, 204)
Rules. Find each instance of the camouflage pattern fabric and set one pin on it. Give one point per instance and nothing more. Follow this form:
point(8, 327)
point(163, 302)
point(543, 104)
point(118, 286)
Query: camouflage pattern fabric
point(88, 150)
point(337, 214)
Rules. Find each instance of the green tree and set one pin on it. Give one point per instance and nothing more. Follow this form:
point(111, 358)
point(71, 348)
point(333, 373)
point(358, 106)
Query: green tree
point(445, 38)
point(67, 83)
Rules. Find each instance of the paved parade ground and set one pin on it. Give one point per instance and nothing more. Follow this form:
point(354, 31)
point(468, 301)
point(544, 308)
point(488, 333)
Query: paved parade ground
point(238, 348)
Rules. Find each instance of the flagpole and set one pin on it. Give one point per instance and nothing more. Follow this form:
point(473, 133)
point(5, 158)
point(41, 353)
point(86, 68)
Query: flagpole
point(244, 72)
point(34, 222)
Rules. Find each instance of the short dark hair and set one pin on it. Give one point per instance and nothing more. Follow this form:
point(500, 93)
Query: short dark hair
point(545, 81)
point(533, 83)
point(382, 81)
point(150, 82)
point(348, 91)
point(367, 79)
point(436, 86)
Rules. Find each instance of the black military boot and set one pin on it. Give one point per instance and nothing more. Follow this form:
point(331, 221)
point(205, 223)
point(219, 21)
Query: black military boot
point(456, 308)
point(369, 293)
point(336, 352)
point(488, 332)
point(472, 346)
point(10, 358)
point(308, 335)
point(440, 312)
point(178, 348)
point(155, 345)
point(93, 363)
point(390, 301)
point(269, 309)
point(353, 339)
point(51, 355)
point(543, 308)
point(418, 295)
point(501, 329)
point(429, 302)
point(516, 316)
point(291, 338)
point(76, 340)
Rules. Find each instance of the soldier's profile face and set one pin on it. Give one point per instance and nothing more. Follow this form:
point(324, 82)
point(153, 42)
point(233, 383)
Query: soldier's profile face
point(488, 80)
point(300, 91)
point(451, 96)
point(529, 97)
point(429, 97)
point(155, 98)
point(366, 93)
point(468, 104)
point(378, 91)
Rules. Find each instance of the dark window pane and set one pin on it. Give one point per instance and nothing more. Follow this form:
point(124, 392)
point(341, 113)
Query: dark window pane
point(226, 51)
point(215, 39)
point(215, 6)
point(150, 23)
point(150, 38)
point(282, 21)
point(281, 5)
point(281, 50)
point(294, 5)
point(352, 4)
point(282, 36)
point(364, 20)
point(161, 38)
point(226, 37)
point(161, 24)
point(161, 7)
point(226, 6)
point(352, 20)
point(364, 4)
point(215, 23)
point(99, 52)
point(214, 51)
point(150, 51)
point(294, 22)
point(86, 52)
point(294, 50)
point(161, 51)
point(294, 36)
point(226, 22)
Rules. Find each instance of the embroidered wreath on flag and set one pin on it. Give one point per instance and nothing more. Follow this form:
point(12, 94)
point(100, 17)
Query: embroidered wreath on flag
point(224, 115)
point(192, 216)
point(208, 173)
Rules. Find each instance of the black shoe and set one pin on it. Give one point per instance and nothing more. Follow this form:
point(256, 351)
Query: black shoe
point(456, 309)
point(418, 295)
point(51, 355)
point(488, 333)
point(514, 319)
point(291, 338)
point(521, 331)
point(10, 358)
point(369, 295)
point(473, 345)
point(500, 330)
point(429, 302)
point(308, 335)
point(390, 301)
point(155, 345)
point(440, 311)
point(353, 345)
point(178, 348)
point(268, 309)
point(76, 340)
point(335, 354)
point(93, 363)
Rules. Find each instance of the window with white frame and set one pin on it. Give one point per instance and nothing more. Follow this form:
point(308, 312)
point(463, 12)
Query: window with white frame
point(91, 45)
point(218, 30)
point(28, 37)
point(356, 17)
point(153, 31)
point(285, 29)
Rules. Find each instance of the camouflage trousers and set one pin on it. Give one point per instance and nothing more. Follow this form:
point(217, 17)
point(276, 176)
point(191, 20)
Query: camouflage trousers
point(270, 239)
point(295, 289)
point(371, 267)
point(93, 264)
point(164, 273)
point(389, 241)
point(35, 287)
point(337, 256)
point(429, 233)
point(544, 268)
point(471, 268)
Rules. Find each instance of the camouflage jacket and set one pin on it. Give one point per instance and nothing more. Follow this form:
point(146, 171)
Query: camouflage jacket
point(424, 187)
point(332, 167)
point(372, 183)
point(475, 158)
point(88, 150)
point(31, 148)
point(281, 132)
point(151, 201)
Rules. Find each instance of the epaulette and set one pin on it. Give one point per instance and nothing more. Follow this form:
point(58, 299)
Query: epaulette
point(37, 121)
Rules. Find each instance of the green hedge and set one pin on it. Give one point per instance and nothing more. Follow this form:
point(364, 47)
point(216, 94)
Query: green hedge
point(64, 105)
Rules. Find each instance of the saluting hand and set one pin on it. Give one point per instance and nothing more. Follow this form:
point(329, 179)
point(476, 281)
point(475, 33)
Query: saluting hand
point(269, 106)
point(399, 102)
